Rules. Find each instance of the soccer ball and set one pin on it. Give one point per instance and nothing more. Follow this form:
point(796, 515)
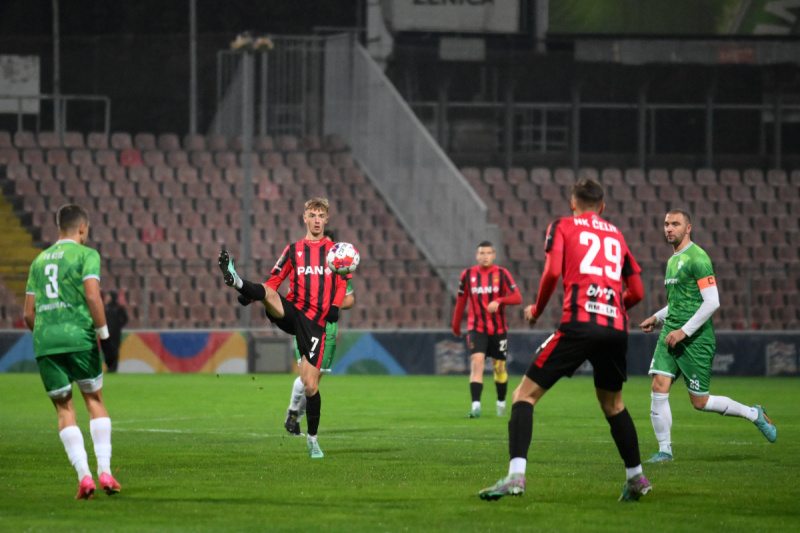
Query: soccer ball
point(343, 258)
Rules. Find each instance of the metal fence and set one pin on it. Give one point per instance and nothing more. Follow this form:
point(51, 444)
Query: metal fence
point(286, 83)
point(61, 105)
point(536, 128)
point(425, 190)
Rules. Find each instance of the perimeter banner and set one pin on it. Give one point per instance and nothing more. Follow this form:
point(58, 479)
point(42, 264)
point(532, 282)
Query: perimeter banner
point(676, 17)
point(773, 353)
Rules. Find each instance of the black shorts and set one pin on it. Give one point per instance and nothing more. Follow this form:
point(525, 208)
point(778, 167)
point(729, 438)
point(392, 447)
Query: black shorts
point(494, 346)
point(567, 349)
point(310, 335)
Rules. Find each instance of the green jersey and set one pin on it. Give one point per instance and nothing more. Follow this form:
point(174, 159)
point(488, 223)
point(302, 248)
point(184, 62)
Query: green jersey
point(688, 272)
point(63, 322)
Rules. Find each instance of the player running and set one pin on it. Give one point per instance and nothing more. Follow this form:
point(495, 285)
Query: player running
point(687, 342)
point(64, 309)
point(593, 258)
point(487, 288)
point(314, 298)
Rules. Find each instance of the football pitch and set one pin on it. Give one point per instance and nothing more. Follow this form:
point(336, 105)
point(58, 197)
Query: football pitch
point(209, 453)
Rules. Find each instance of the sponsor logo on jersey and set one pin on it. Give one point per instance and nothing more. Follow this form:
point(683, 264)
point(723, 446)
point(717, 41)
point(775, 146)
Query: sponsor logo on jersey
point(484, 290)
point(310, 270)
point(54, 305)
point(601, 309)
point(680, 264)
point(299, 254)
point(670, 281)
point(600, 292)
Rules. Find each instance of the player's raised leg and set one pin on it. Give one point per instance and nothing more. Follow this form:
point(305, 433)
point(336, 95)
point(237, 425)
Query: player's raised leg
point(254, 291)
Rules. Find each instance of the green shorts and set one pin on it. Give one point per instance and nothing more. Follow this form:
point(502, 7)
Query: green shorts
point(331, 332)
point(692, 359)
point(58, 371)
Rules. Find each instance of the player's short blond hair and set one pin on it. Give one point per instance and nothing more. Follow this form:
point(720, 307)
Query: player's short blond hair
point(316, 203)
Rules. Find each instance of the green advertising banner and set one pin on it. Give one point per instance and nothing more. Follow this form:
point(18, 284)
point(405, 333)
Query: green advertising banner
point(675, 17)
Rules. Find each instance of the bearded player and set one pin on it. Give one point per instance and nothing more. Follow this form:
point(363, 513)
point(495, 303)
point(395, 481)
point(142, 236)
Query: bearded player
point(687, 342)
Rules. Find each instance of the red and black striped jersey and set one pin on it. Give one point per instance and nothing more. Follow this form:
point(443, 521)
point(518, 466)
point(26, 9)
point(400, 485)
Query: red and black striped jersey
point(480, 286)
point(313, 288)
point(594, 260)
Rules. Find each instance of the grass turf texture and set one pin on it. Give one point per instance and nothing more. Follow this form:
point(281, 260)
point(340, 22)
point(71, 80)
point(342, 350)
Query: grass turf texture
point(208, 453)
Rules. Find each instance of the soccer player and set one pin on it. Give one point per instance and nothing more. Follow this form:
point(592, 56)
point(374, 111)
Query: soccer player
point(314, 298)
point(687, 342)
point(64, 309)
point(297, 402)
point(593, 258)
point(487, 288)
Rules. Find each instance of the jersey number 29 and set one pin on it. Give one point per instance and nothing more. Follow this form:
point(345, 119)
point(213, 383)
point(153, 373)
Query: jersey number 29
point(613, 253)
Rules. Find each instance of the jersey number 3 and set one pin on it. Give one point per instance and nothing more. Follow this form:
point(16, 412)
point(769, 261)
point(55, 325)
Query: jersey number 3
point(612, 251)
point(51, 271)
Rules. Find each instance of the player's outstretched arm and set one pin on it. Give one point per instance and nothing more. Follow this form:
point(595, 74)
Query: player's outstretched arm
point(458, 314)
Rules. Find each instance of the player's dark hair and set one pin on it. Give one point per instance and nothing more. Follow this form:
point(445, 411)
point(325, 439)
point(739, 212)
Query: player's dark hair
point(329, 234)
point(686, 217)
point(588, 193)
point(486, 244)
point(70, 216)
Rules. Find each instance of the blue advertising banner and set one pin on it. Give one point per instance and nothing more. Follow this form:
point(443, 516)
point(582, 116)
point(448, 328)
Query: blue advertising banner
point(436, 352)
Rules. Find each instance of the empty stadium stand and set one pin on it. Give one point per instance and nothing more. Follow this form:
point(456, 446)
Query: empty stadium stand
point(163, 205)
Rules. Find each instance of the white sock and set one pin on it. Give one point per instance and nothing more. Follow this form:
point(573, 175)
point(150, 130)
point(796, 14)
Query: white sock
point(633, 472)
point(301, 410)
point(517, 466)
point(727, 407)
point(101, 436)
point(312, 438)
point(476, 406)
point(661, 416)
point(237, 282)
point(501, 404)
point(72, 438)
point(298, 393)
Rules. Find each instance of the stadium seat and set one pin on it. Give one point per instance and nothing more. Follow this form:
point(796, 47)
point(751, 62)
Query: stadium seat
point(144, 141)
point(225, 159)
point(682, 176)
point(263, 143)
point(33, 156)
point(611, 177)
point(753, 176)
point(66, 172)
point(216, 143)
point(97, 141)
point(187, 174)
point(9, 155)
point(163, 174)
point(168, 142)
point(201, 158)
point(57, 156)
point(5, 140)
point(123, 189)
point(729, 177)
point(541, 176)
point(635, 176)
point(194, 142)
point(152, 158)
point(24, 139)
point(121, 141)
point(564, 176)
point(106, 158)
point(177, 158)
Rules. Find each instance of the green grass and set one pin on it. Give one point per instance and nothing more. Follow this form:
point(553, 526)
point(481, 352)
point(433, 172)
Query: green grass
point(207, 453)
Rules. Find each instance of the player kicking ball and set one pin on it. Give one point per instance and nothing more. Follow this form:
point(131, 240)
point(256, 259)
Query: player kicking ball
point(314, 299)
